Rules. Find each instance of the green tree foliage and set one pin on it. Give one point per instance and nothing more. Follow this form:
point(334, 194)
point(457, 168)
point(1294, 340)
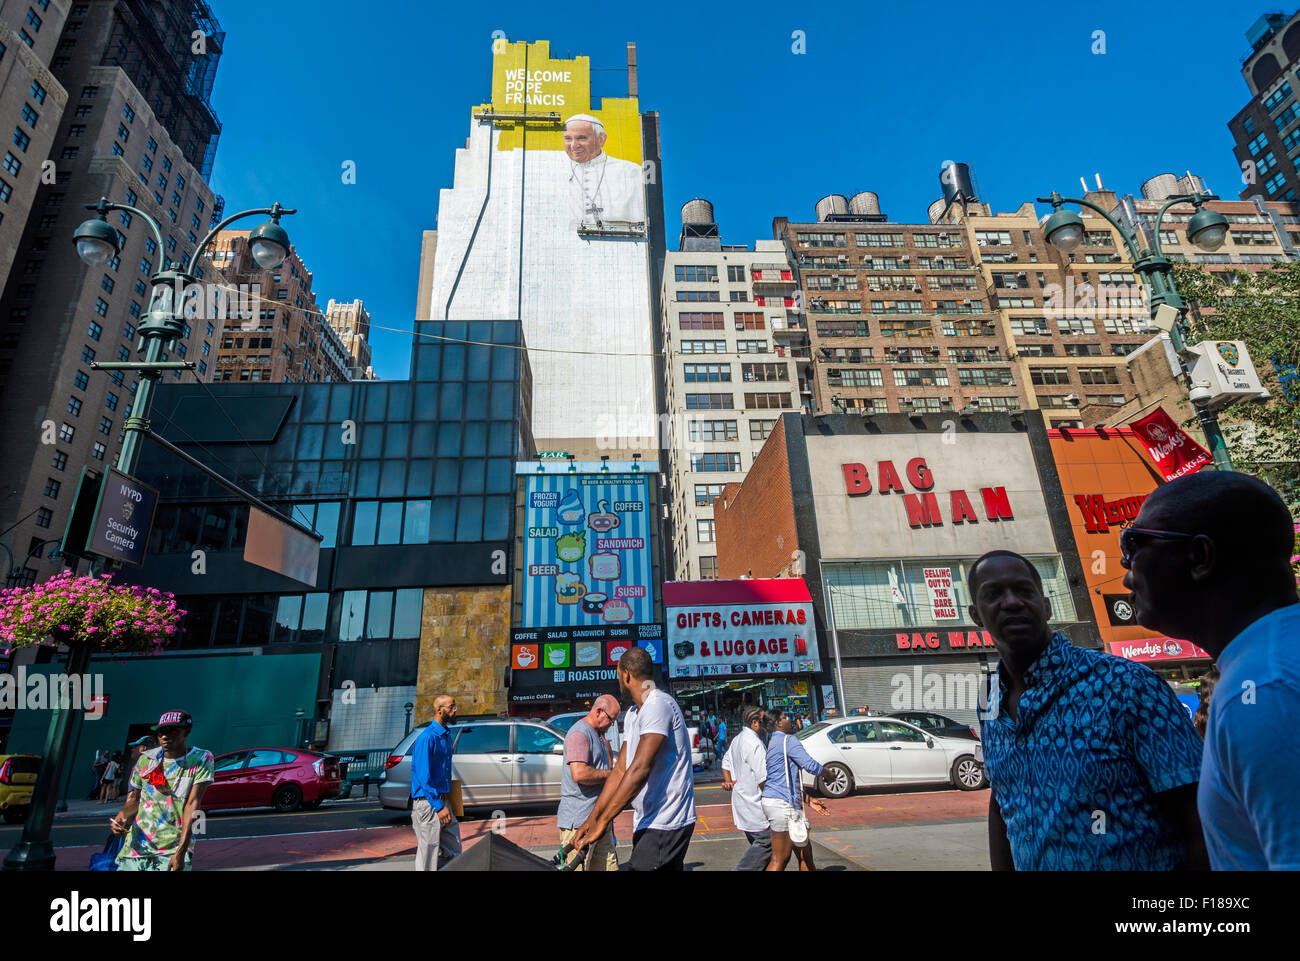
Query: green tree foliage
point(1261, 309)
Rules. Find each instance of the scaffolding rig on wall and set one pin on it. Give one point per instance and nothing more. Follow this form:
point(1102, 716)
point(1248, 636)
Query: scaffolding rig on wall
point(154, 42)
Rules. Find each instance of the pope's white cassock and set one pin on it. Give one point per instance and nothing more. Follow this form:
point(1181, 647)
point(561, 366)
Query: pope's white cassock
point(605, 189)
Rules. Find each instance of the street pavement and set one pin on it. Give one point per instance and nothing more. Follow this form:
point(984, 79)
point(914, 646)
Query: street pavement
point(926, 829)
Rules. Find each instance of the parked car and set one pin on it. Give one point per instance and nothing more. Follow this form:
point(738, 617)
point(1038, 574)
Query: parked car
point(866, 752)
point(283, 778)
point(700, 756)
point(499, 762)
point(565, 721)
point(932, 723)
point(17, 782)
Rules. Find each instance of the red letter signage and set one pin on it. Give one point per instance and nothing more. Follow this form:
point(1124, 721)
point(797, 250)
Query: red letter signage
point(856, 480)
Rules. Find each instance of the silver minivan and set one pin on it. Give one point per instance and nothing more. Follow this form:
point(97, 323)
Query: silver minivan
point(498, 762)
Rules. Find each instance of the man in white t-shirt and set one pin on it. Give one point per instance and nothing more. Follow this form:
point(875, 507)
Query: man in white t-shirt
point(653, 772)
point(744, 771)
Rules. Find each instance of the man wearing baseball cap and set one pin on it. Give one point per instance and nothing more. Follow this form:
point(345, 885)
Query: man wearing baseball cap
point(167, 786)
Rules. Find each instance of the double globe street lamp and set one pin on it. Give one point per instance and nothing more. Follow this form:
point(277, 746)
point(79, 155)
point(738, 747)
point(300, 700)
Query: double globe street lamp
point(1207, 229)
point(98, 242)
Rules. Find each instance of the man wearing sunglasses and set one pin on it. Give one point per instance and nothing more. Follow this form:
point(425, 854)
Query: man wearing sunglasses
point(1092, 760)
point(587, 763)
point(166, 789)
point(1209, 561)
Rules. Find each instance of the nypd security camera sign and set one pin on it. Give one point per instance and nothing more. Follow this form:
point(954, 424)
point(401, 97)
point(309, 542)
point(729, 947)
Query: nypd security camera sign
point(123, 519)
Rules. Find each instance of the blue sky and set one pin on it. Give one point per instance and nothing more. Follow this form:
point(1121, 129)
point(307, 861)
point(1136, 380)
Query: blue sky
point(882, 96)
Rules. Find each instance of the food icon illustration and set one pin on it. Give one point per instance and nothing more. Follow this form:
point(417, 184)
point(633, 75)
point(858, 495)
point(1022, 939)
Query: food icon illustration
point(605, 566)
point(594, 601)
point(570, 510)
point(616, 611)
point(568, 589)
point(587, 654)
point(602, 520)
point(570, 547)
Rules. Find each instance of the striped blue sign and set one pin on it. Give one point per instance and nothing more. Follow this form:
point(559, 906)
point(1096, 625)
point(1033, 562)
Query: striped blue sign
point(587, 552)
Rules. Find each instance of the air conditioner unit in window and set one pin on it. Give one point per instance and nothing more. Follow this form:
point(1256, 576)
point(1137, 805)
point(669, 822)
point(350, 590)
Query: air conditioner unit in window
point(873, 286)
point(916, 290)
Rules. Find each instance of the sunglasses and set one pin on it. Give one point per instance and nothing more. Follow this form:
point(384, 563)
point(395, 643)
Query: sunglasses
point(1132, 538)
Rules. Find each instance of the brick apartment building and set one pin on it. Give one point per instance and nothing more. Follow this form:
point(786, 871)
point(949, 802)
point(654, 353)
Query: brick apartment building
point(289, 340)
point(31, 104)
point(1265, 131)
point(138, 129)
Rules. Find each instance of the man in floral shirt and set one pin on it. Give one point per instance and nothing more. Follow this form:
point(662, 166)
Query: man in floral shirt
point(167, 786)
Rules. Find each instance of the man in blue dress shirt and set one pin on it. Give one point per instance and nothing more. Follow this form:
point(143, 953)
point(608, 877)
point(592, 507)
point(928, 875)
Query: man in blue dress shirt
point(437, 832)
point(1092, 761)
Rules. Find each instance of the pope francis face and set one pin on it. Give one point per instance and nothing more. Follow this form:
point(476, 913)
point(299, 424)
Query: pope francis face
point(582, 142)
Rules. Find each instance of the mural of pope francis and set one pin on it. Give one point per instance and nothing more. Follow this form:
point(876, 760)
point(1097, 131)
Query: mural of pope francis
point(602, 189)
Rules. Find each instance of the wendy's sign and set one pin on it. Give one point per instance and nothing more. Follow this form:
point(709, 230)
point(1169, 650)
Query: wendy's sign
point(923, 509)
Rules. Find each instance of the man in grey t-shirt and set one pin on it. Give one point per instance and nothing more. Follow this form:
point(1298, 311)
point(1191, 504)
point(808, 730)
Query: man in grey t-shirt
point(587, 763)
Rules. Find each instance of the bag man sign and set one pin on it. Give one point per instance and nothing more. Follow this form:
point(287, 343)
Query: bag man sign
point(761, 626)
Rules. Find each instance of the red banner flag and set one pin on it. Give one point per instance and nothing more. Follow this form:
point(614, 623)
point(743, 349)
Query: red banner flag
point(1174, 452)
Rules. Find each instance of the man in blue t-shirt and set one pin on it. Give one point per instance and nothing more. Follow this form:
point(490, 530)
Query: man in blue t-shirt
point(1209, 561)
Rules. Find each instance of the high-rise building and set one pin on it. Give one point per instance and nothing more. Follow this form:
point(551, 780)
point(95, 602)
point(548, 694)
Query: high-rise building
point(899, 317)
point(31, 105)
point(559, 229)
point(351, 321)
point(137, 129)
point(1265, 130)
point(727, 378)
point(288, 340)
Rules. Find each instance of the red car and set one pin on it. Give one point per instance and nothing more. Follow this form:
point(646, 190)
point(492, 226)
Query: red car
point(283, 778)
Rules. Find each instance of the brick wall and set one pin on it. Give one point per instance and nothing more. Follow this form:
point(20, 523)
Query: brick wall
point(464, 649)
point(754, 521)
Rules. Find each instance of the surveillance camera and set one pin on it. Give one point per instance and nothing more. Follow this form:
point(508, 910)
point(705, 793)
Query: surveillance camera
point(1200, 396)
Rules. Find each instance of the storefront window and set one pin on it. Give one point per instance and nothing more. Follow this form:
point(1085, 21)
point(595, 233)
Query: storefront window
point(896, 594)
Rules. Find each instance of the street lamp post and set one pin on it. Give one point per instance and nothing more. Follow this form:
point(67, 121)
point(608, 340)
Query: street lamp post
point(1207, 229)
point(408, 707)
point(97, 243)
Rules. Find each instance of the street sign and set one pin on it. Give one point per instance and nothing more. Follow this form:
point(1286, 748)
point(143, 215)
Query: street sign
point(281, 547)
point(123, 518)
point(82, 515)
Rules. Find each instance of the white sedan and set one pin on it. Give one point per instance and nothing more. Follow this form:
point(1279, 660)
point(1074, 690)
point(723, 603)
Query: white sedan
point(863, 752)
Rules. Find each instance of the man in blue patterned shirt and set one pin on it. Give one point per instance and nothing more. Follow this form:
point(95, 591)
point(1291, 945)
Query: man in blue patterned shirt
point(1092, 760)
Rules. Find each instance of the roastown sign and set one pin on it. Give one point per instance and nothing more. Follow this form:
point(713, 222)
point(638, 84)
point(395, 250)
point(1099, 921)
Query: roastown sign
point(763, 626)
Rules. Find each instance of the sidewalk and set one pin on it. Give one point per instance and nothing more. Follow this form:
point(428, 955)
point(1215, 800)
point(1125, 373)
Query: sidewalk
point(83, 808)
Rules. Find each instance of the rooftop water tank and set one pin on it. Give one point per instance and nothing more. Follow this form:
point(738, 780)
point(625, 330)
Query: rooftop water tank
point(831, 204)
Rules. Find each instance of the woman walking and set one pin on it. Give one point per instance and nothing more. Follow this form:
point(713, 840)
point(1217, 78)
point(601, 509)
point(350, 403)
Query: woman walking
point(783, 797)
point(108, 781)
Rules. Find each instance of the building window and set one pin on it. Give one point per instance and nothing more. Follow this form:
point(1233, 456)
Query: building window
point(66, 433)
point(74, 406)
point(111, 401)
point(709, 402)
point(709, 568)
point(60, 460)
point(12, 164)
point(52, 488)
point(695, 273)
point(701, 322)
point(764, 372)
point(712, 430)
point(704, 533)
point(105, 425)
point(705, 493)
point(98, 450)
point(101, 307)
point(714, 462)
point(43, 517)
point(21, 140)
point(736, 274)
point(706, 372)
point(768, 402)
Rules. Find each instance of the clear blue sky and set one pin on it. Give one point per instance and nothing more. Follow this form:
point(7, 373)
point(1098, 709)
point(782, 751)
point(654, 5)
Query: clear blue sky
point(880, 99)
